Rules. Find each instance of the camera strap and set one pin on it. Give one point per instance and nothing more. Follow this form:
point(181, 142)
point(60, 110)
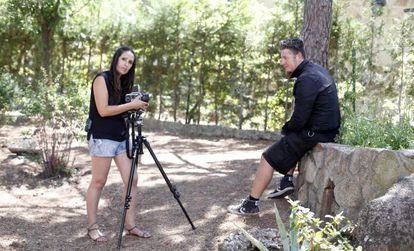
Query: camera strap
point(88, 135)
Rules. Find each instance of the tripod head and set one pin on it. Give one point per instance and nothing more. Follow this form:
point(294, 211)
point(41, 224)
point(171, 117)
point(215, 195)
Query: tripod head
point(134, 116)
point(134, 123)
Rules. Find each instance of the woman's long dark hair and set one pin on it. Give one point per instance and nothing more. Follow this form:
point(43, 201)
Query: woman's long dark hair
point(127, 80)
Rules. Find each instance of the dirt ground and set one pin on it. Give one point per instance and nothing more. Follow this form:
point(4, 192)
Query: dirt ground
point(210, 174)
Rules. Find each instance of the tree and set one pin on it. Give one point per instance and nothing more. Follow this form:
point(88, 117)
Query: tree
point(316, 30)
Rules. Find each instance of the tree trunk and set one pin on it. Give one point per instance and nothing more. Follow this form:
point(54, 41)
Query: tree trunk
point(176, 99)
point(268, 80)
point(88, 70)
point(286, 85)
point(371, 55)
point(188, 115)
point(160, 103)
point(201, 80)
point(24, 63)
point(48, 23)
point(316, 30)
point(176, 81)
point(241, 93)
point(353, 79)
point(267, 99)
point(100, 59)
point(401, 87)
point(217, 93)
point(62, 64)
point(200, 98)
point(187, 106)
point(216, 113)
point(46, 49)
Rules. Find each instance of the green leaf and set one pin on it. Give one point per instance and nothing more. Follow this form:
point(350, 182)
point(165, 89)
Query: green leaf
point(253, 240)
point(282, 230)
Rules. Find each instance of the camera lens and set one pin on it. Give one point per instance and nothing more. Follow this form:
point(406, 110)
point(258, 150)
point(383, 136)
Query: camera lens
point(145, 97)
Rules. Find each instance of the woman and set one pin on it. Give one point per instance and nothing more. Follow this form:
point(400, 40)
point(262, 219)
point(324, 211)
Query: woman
point(108, 135)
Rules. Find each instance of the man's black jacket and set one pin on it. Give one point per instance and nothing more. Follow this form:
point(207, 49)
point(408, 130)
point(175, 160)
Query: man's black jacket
point(316, 104)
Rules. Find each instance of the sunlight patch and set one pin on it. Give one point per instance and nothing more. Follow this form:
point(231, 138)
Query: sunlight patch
point(6, 241)
point(146, 159)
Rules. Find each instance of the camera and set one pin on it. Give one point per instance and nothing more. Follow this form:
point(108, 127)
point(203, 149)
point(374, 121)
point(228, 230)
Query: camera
point(140, 95)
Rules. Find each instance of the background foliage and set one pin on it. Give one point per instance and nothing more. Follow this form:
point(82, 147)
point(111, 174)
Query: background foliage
point(209, 62)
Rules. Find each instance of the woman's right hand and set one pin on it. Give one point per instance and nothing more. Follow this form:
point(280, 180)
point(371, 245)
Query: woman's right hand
point(139, 104)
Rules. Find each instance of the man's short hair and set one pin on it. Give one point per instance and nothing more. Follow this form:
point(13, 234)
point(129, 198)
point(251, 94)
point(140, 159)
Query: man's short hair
point(293, 44)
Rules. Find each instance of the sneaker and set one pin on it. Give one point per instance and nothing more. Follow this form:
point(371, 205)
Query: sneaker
point(246, 207)
point(285, 188)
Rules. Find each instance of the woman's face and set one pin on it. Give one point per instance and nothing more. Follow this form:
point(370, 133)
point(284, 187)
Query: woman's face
point(125, 62)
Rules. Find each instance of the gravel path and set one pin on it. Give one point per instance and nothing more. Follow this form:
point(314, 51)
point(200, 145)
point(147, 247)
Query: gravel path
point(210, 174)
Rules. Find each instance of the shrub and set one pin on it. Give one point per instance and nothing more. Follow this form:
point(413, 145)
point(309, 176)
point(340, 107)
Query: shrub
point(7, 91)
point(362, 130)
point(310, 233)
point(58, 118)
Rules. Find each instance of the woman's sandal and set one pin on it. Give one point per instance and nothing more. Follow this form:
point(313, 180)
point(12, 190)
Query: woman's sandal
point(140, 233)
point(95, 234)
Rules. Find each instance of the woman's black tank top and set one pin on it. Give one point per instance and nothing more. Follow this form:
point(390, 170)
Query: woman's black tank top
point(111, 127)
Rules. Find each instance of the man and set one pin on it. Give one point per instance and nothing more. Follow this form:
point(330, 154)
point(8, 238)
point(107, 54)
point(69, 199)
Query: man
point(315, 118)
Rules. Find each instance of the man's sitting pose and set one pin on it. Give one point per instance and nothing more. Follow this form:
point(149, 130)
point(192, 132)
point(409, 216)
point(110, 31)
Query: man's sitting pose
point(315, 118)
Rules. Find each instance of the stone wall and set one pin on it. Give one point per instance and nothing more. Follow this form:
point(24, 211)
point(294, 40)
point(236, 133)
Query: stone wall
point(335, 178)
point(373, 187)
point(332, 178)
point(207, 130)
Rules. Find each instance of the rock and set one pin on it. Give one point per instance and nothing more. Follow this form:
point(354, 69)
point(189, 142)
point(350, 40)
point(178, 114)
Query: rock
point(387, 223)
point(269, 237)
point(19, 160)
point(22, 146)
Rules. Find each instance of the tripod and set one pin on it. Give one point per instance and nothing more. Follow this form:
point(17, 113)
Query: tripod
point(135, 122)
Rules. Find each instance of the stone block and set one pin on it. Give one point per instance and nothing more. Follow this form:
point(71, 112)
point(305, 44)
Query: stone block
point(386, 223)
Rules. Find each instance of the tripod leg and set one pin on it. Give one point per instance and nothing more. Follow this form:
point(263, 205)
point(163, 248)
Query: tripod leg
point(134, 166)
point(172, 188)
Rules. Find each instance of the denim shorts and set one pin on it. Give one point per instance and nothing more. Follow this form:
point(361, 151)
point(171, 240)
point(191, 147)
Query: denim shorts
point(106, 147)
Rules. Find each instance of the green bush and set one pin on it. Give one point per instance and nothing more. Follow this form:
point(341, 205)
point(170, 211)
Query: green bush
point(308, 232)
point(58, 117)
point(362, 130)
point(7, 91)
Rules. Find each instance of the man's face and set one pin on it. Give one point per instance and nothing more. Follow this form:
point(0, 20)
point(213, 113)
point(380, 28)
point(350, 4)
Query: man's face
point(290, 61)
